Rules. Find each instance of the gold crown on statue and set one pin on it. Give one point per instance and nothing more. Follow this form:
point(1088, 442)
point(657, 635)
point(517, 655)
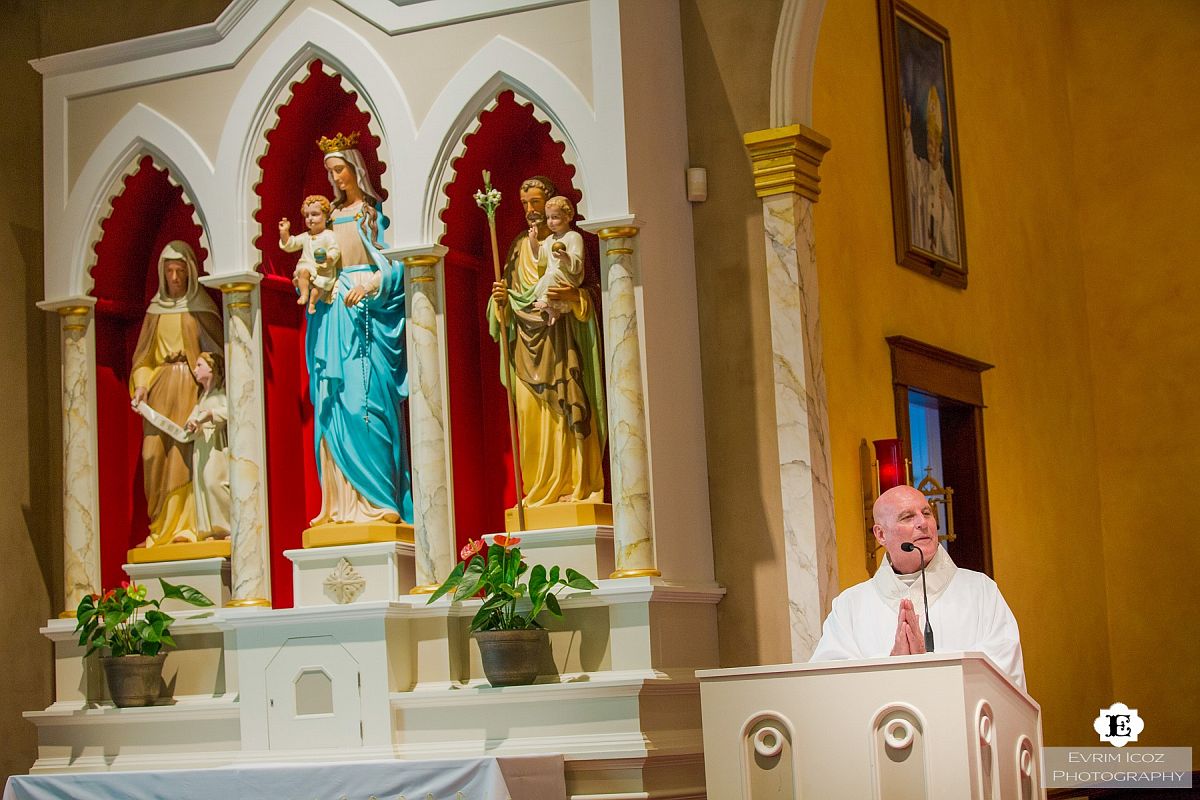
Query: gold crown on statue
point(339, 142)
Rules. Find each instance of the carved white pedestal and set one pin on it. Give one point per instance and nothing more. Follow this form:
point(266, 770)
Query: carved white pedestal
point(587, 548)
point(355, 573)
point(209, 575)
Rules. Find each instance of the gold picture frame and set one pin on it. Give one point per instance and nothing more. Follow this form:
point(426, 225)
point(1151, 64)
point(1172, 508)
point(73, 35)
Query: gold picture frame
point(918, 85)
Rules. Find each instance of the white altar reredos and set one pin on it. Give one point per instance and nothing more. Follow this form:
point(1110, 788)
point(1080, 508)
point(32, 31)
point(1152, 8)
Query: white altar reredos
point(386, 675)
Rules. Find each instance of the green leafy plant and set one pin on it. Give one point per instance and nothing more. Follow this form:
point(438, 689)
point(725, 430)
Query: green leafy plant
point(498, 574)
point(123, 622)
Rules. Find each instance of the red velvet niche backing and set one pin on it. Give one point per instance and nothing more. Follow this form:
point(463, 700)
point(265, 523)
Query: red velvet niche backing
point(292, 169)
point(513, 145)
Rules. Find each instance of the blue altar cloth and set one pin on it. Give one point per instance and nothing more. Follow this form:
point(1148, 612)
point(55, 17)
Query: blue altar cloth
point(518, 778)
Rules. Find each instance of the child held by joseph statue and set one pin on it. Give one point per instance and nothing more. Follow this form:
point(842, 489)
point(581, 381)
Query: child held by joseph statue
point(560, 257)
point(317, 270)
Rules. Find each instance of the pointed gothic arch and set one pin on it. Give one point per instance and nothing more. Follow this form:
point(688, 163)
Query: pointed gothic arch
point(141, 133)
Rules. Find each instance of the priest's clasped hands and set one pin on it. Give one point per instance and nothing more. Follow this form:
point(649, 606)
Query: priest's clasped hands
point(909, 639)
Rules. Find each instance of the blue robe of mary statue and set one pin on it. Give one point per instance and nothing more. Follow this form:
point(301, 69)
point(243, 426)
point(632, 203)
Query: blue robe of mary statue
point(358, 381)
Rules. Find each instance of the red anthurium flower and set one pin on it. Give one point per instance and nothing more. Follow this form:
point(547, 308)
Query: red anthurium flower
point(506, 541)
point(124, 584)
point(108, 595)
point(472, 547)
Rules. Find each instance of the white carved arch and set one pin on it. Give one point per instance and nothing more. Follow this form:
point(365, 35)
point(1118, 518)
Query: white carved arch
point(793, 61)
point(312, 35)
point(500, 65)
point(141, 132)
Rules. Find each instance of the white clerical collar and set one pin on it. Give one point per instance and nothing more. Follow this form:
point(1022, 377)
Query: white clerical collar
point(938, 574)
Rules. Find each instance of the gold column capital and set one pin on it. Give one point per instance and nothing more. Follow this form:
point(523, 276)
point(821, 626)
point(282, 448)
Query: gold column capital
point(236, 288)
point(73, 311)
point(422, 262)
point(786, 160)
point(618, 232)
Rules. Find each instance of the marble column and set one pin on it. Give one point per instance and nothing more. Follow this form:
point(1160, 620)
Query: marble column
point(633, 526)
point(81, 533)
point(251, 567)
point(785, 177)
point(433, 524)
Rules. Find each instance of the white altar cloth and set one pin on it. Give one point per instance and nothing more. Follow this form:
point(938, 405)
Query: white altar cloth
point(515, 778)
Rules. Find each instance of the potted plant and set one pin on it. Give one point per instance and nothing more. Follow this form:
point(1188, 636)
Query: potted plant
point(134, 631)
point(511, 643)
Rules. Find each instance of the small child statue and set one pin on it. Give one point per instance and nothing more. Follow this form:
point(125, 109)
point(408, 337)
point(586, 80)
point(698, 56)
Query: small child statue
point(206, 428)
point(317, 270)
point(560, 257)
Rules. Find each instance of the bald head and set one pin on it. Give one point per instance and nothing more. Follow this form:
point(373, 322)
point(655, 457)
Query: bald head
point(902, 514)
point(887, 501)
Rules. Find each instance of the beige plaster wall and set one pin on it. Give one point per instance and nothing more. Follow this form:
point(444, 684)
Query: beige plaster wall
point(727, 51)
point(1137, 160)
point(31, 470)
point(30, 545)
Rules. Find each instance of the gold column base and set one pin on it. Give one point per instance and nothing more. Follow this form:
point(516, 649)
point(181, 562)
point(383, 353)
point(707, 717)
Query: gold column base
point(636, 573)
point(66, 615)
point(428, 588)
point(249, 602)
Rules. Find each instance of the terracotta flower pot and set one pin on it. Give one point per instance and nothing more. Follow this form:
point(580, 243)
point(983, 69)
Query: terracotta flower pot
point(134, 680)
point(512, 658)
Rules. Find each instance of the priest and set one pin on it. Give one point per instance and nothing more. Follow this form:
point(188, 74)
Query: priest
point(885, 615)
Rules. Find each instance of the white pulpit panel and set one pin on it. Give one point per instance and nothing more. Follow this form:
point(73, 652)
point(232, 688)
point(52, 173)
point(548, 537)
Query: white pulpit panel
point(904, 728)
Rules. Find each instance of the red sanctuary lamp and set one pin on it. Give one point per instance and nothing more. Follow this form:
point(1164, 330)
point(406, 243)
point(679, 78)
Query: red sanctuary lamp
point(889, 462)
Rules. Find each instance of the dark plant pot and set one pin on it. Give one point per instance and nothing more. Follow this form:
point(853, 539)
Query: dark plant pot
point(134, 680)
point(512, 658)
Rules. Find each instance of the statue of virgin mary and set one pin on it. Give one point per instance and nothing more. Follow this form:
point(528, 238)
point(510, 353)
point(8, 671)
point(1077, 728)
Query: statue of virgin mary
point(355, 346)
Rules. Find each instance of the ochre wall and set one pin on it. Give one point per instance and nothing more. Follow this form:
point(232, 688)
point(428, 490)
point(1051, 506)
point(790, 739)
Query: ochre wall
point(1023, 312)
point(1136, 119)
point(1081, 234)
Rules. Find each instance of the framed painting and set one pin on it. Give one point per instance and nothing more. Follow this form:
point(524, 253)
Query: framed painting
point(922, 133)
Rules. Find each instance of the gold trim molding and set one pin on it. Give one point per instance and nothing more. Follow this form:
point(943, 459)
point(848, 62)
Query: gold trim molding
point(428, 588)
point(636, 573)
point(786, 160)
point(234, 288)
point(618, 232)
point(619, 251)
point(249, 602)
point(73, 311)
point(421, 261)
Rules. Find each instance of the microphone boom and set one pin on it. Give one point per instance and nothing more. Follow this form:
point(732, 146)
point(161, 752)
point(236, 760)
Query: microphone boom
point(908, 547)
